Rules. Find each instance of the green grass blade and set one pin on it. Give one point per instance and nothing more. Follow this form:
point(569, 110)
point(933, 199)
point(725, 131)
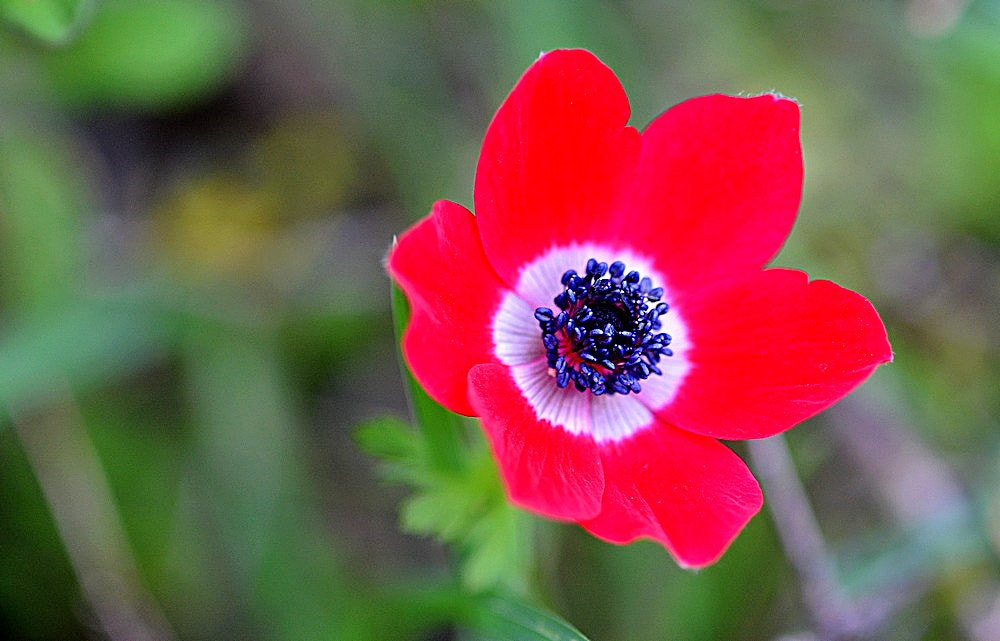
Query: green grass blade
point(497, 618)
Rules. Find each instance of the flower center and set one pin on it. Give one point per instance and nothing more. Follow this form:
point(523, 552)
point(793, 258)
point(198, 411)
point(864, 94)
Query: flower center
point(604, 337)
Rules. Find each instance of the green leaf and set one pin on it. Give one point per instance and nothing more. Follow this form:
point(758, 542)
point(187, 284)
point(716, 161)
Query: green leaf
point(82, 346)
point(467, 508)
point(301, 588)
point(254, 497)
point(443, 430)
point(497, 618)
point(388, 438)
point(54, 21)
point(399, 448)
point(446, 510)
point(38, 588)
point(42, 202)
point(499, 550)
point(142, 461)
point(458, 494)
point(152, 55)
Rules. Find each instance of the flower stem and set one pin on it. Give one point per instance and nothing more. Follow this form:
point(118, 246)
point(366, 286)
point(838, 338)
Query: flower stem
point(68, 470)
point(834, 614)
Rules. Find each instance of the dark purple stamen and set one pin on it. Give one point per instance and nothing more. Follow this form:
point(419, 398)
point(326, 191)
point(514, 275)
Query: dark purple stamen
point(604, 337)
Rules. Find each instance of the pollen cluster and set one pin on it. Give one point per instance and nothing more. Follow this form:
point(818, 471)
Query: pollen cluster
point(605, 337)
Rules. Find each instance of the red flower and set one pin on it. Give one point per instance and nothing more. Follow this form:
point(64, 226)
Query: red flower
point(603, 391)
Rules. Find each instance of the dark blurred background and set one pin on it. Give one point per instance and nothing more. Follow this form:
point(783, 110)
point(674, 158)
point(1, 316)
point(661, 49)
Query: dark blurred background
point(195, 200)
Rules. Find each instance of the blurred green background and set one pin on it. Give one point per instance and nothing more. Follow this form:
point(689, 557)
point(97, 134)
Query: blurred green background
point(195, 199)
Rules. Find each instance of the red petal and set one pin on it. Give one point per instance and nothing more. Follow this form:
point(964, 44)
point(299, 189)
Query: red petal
point(772, 350)
point(545, 468)
point(452, 289)
point(719, 183)
point(690, 493)
point(555, 160)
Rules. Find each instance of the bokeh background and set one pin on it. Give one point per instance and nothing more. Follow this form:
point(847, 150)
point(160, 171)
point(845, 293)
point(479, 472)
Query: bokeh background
point(195, 200)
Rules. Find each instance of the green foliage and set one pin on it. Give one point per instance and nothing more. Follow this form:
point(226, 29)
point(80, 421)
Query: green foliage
point(497, 618)
point(499, 549)
point(54, 335)
point(457, 494)
point(84, 346)
point(52, 21)
point(968, 78)
point(466, 508)
point(41, 198)
point(149, 55)
point(397, 445)
point(37, 587)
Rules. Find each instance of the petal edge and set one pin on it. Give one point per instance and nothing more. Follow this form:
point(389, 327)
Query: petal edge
point(440, 265)
point(690, 493)
point(724, 173)
point(544, 468)
point(771, 350)
point(556, 160)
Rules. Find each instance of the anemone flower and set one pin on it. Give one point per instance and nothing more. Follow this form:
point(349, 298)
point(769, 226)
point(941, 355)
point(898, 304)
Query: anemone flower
point(606, 312)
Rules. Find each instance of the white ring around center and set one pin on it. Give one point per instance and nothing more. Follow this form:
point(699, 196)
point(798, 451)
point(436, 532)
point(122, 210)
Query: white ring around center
point(518, 344)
